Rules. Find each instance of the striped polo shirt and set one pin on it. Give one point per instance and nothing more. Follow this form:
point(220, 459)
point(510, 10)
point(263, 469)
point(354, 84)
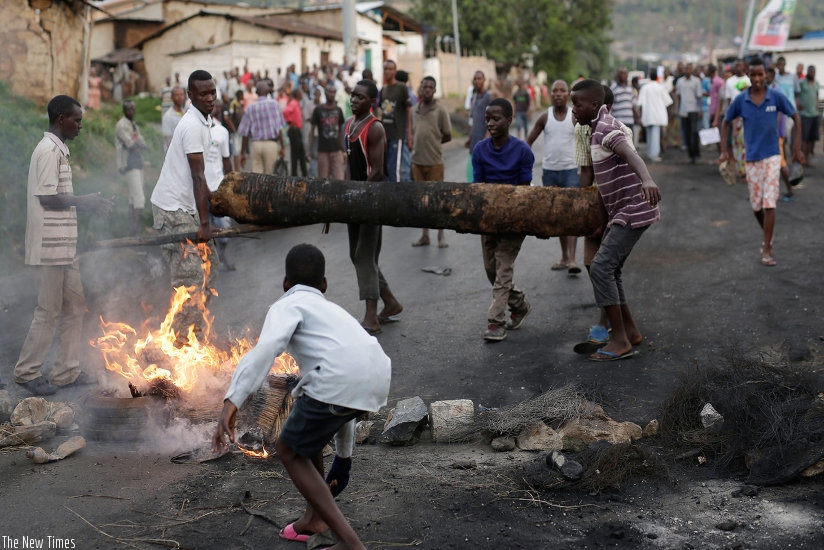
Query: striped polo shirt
point(51, 235)
point(618, 184)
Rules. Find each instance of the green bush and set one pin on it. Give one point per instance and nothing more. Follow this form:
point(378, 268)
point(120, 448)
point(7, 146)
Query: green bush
point(93, 161)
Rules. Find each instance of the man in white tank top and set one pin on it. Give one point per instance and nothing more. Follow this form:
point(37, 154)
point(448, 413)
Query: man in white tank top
point(559, 166)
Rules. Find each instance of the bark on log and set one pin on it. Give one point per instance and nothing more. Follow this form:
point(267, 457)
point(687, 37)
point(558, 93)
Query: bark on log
point(467, 208)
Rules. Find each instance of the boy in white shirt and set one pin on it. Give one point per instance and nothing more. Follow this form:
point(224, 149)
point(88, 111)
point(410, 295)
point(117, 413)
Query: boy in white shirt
point(344, 372)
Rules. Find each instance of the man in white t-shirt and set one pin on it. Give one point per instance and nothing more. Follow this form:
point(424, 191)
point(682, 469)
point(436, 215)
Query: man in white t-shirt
point(559, 167)
point(180, 204)
point(218, 164)
point(653, 100)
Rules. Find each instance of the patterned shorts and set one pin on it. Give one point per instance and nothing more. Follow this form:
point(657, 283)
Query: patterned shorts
point(762, 180)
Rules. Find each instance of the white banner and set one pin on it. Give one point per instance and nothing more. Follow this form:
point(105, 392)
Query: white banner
point(772, 26)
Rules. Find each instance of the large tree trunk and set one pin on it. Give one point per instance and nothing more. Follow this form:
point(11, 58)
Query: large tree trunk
point(467, 208)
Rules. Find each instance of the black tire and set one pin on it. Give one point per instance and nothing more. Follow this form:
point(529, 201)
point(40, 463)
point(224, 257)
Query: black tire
point(121, 419)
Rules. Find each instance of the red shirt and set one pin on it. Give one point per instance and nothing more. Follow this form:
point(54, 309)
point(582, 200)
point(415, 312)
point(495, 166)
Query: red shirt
point(292, 114)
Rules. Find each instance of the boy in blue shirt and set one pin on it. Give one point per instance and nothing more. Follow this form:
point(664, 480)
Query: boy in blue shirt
point(507, 160)
point(759, 105)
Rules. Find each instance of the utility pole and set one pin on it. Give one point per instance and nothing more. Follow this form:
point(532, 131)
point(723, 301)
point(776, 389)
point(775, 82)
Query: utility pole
point(457, 46)
point(350, 33)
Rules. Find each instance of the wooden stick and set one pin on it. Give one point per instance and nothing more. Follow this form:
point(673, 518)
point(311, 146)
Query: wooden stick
point(153, 240)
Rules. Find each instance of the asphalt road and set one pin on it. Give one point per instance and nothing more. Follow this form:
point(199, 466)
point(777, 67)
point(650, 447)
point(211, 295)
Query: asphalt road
point(695, 282)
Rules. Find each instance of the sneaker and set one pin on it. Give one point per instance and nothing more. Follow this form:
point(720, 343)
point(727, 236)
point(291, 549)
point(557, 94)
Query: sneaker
point(495, 333)
point(788, 198)
point(517, 319)
point(39, 386)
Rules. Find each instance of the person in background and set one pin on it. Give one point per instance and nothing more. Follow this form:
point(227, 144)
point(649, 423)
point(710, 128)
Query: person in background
point(130, 145)
point(431, 128)
point(395, 106)
point(653, 101)
point(558, 163)
point(218, 161)
point(478, 101)
point(51, 250)
point(808, 111)
point(294, 118)
point(327, 121)
point(172, 116)
point(262, 125)
point(523, 105)
point(688, 95)
point(759, 106)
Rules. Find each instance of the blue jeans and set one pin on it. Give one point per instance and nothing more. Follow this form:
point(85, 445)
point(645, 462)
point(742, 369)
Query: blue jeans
point(406, 163)
point(522, 121)
point(560, 178)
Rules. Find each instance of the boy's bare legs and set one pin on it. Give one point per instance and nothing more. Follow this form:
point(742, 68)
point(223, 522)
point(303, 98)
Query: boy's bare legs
point(370, 317)
point(391, 305)
point(310, 523)
point(424, 240)
point(766, 219)
point(441, 239)
point(571, 248)
point(625, 333)
point(308, 480)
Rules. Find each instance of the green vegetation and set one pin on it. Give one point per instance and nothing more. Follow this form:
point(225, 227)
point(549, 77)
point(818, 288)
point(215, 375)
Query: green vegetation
point(93, 167)
point(565, 38)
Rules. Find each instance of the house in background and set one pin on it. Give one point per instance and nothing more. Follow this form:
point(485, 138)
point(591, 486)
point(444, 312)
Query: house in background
point(44, 49)
point(219, 41)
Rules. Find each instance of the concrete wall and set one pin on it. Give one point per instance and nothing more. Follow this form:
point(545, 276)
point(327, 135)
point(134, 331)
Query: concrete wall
point(195, 34)
point(42, 53)
point(448, 81)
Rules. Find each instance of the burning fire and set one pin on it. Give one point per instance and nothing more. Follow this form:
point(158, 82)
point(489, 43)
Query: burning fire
point(156, 355)
point(248, 451)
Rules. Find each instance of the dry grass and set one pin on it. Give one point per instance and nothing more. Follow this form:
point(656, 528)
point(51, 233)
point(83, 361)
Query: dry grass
point(557, 404)
point(763, 405)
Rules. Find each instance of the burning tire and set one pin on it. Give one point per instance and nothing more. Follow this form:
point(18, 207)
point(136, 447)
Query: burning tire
point(122, 419)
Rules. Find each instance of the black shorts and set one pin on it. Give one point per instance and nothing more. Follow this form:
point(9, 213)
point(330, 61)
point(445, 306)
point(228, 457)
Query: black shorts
point(312, 424)
point(809, 128)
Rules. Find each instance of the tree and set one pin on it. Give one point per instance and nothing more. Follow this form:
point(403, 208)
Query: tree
point(565, 36)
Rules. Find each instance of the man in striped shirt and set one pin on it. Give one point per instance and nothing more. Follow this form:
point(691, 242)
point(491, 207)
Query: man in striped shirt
point(51, 242)
point(631, 200)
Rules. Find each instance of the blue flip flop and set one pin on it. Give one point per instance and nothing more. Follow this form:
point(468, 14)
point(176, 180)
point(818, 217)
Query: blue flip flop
point(602, 356)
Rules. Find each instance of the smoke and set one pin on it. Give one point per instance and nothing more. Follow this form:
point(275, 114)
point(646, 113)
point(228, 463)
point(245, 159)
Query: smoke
point(176, 435)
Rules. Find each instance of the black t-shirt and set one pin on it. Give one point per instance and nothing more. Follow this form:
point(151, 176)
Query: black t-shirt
point(521, 99)
point(394, 100)
point(328, 121)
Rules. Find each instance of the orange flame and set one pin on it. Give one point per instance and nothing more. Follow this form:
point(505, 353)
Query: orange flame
point(262, 453)
point(158, 354)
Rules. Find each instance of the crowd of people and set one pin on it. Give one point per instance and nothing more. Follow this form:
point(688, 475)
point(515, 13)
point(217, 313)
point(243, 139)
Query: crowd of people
point(342, 126)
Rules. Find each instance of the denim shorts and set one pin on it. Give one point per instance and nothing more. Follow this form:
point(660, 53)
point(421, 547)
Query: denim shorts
point(560, 178)
point(312, 424)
